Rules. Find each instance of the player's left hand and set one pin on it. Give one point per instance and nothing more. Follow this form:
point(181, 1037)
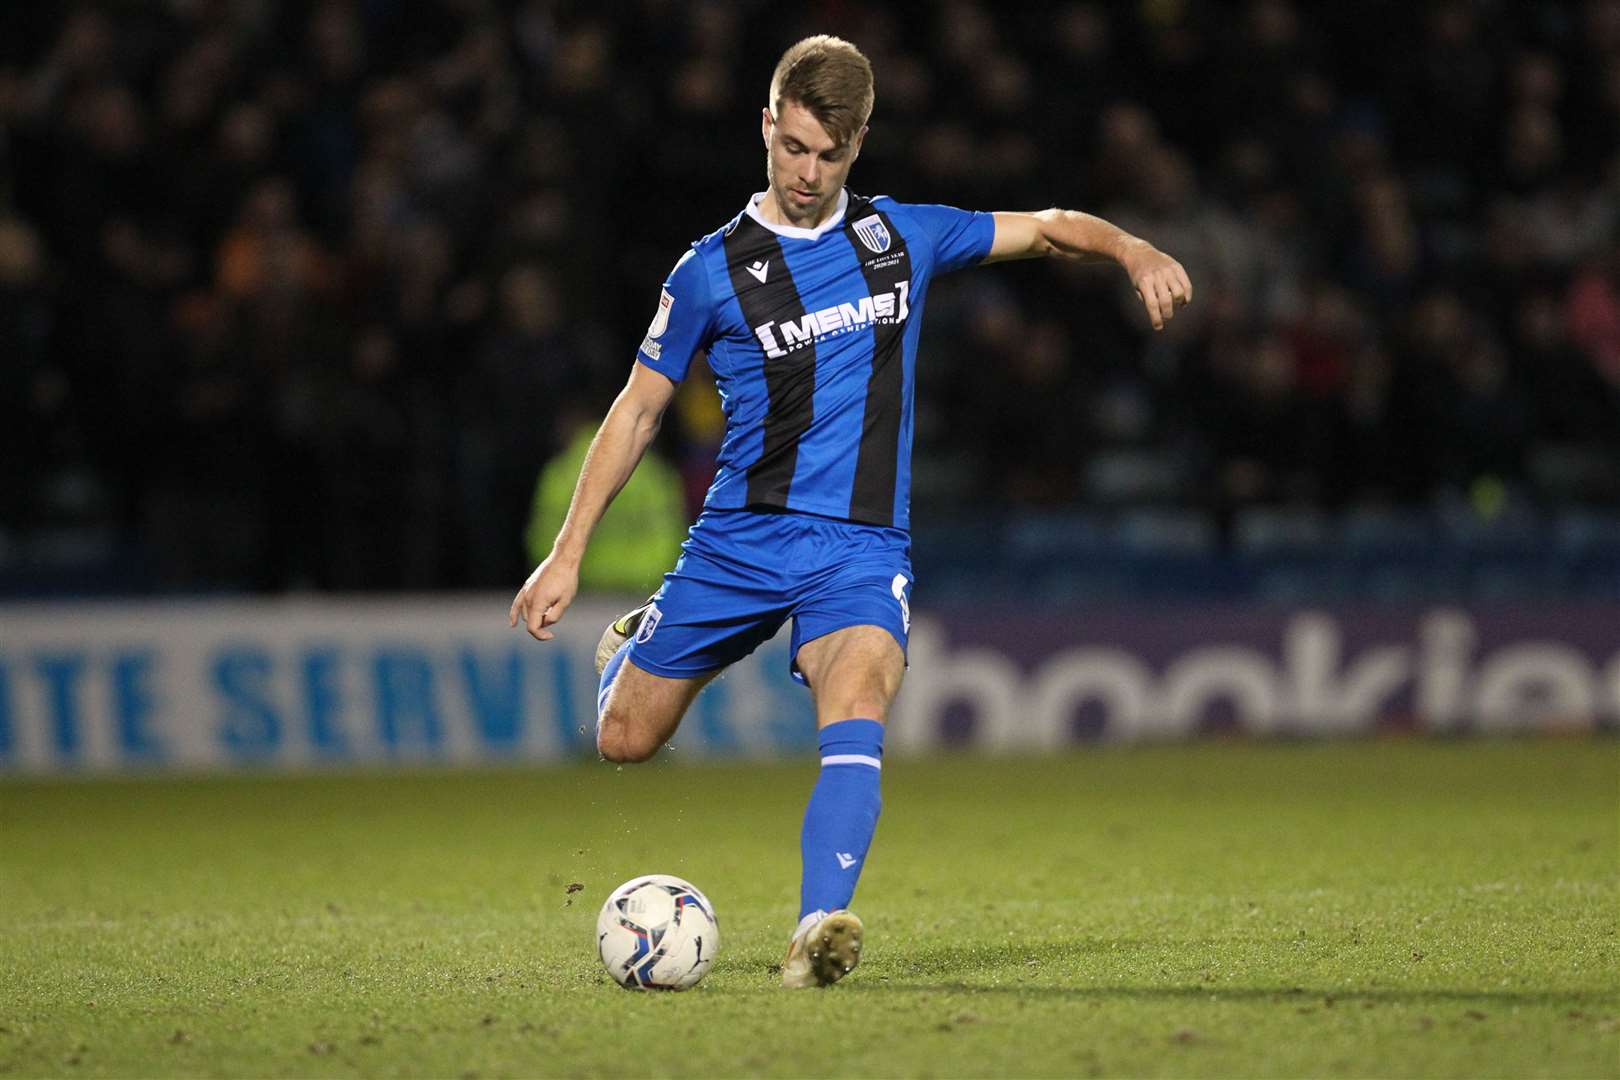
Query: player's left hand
point(1160, 281)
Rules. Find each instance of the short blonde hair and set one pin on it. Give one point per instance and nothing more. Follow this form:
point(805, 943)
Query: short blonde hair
point(831, 78)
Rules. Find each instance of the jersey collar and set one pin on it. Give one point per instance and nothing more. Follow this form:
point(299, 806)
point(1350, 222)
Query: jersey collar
point(837, 218)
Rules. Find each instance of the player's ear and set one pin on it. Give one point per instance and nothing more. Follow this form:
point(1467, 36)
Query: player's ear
point(860, 137)
point(765, 125)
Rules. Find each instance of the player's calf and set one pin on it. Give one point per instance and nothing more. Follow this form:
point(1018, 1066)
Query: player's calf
point(639, 711)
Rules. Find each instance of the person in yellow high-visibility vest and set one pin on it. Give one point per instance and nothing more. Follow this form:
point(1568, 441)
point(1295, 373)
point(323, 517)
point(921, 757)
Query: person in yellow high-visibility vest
point(639, 538)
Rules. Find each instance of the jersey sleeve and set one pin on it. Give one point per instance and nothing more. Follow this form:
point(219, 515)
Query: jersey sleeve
point(684, 321)
point(960, 237)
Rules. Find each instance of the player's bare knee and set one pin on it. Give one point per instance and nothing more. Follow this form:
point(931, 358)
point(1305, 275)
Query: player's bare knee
point(622, 741)
point(613, 739)
point(616, 743)
point(624, 751)
point(609, 739)
point(871, 704)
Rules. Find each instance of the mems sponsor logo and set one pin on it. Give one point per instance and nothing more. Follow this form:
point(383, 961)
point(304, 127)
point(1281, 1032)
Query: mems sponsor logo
point(782, 338)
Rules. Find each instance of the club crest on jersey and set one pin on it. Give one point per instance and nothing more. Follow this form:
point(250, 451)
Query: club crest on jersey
point(874, 234)
point(660, 321)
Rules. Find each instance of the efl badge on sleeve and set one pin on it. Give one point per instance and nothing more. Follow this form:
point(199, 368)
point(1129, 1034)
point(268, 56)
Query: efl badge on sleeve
point(873, 233)
point(660, 321)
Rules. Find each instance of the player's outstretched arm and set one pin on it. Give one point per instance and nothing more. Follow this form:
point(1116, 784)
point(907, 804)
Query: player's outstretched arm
point(624, 436)
point(1160, 281)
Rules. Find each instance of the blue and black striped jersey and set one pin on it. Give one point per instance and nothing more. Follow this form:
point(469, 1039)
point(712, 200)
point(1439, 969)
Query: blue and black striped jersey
point(812, 337)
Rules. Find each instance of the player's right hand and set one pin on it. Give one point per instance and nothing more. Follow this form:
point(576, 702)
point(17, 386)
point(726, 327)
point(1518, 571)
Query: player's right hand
point(545, 596)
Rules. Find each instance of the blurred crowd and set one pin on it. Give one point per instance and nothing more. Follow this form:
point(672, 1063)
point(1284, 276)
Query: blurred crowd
point(305, 294)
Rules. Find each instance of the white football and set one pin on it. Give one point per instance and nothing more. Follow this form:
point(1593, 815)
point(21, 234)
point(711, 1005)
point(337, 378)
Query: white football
point(657, 932)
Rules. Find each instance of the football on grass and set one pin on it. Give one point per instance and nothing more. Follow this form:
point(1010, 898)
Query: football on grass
point(657, 932)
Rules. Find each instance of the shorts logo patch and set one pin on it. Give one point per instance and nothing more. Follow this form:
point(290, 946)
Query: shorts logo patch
point(649, 623)
point(660, 321)
point(898, 588)
point(874, 234)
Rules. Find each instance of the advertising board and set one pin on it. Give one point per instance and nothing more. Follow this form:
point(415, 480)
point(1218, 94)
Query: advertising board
point(204, 685)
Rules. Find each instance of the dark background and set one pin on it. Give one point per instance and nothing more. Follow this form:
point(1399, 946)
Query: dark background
point(302, 295)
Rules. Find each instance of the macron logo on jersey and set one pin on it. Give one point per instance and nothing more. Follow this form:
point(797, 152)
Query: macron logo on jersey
point(759, 269)
point(835, 319)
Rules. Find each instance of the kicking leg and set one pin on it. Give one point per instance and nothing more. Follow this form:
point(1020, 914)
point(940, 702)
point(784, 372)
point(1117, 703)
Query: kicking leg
point(854, 674)
point(637, 711)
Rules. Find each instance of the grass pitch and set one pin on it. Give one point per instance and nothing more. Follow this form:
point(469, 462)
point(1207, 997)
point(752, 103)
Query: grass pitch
point(1392, 908)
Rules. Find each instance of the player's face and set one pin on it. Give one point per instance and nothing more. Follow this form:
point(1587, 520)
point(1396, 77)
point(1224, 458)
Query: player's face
point(806, 166)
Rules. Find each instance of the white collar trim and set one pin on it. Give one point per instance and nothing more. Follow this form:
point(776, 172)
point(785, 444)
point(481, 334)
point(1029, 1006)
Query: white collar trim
point(837, 218)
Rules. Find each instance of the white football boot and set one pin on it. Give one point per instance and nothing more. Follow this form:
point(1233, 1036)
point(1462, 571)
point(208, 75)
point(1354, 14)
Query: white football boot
point(619, 631)
point(824, 949)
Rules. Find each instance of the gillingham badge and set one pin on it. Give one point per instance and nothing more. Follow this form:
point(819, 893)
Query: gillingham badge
point(874, 234)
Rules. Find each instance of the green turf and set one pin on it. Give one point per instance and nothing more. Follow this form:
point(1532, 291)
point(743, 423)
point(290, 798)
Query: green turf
point(1384, 908)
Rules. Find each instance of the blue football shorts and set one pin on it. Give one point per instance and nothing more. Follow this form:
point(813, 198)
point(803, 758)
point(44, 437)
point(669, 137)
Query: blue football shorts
point(742, 573)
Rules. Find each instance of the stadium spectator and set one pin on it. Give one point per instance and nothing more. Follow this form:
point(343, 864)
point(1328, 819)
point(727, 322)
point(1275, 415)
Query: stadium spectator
point(295, 294)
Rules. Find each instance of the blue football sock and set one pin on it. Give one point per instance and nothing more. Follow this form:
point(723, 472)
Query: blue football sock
point(612, 669)
point(842, 815)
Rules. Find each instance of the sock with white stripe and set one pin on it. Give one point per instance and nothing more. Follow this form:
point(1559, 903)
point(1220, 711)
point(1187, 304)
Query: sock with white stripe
point(842, 815)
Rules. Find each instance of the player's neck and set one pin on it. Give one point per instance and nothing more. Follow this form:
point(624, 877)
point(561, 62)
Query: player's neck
point(771, 211)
